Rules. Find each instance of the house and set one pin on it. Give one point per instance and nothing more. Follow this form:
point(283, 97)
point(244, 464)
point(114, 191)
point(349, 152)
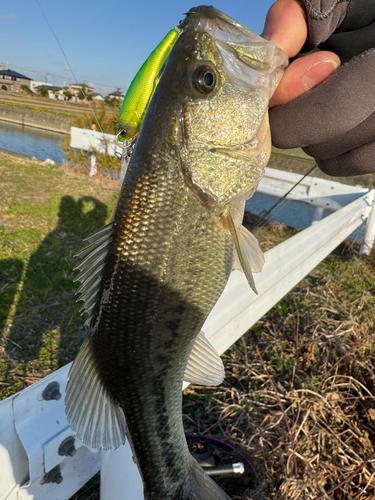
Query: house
point(52, 92)
point(13, 80)
point(95, 96)
point(35, 84)
point(119, 96)
point(76, 90)
point(57, 94)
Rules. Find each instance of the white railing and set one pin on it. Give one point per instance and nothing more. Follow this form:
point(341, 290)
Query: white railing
point(94, 142)
point(34, 429)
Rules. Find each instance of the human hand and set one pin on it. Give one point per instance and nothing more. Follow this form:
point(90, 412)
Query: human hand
point(286, 25)
point(334, 120)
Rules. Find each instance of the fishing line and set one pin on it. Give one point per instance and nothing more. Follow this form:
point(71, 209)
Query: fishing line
point(74, 76)
point(264, 217)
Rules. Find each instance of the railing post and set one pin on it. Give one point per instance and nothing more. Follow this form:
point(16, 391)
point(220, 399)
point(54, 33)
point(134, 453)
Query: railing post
point(119, 476)
point(93, 167)
point(368, 240)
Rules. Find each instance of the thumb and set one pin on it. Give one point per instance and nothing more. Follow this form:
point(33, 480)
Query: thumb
point(286, 26)
point(304, 74)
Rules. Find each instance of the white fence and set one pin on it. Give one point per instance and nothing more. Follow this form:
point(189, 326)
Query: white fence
point(94, 142)
point(91, 140)
point(34, 429)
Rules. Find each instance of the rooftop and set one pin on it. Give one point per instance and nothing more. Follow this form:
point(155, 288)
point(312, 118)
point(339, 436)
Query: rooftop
point(80, 85)
point(117, 93)
point(10, 72)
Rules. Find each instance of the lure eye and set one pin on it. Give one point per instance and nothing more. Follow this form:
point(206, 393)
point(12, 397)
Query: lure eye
point(121, 135)
point(204, 79)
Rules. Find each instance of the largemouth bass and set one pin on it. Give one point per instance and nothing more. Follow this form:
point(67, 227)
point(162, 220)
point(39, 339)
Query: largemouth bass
point(150, 278)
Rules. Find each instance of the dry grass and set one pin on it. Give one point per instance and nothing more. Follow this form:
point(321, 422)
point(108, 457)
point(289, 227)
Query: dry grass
point(303, 407)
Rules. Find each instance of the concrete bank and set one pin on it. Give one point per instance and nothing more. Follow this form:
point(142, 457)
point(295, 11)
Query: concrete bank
point(31, 118)
point(18, 155)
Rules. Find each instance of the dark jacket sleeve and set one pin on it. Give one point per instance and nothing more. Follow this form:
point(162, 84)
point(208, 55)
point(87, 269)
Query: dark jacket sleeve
point(335, 123)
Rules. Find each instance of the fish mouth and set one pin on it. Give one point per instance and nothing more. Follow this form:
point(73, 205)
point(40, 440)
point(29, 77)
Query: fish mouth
point(209, 13)
point(242, 152)
point(221, 27)
point(236, 154)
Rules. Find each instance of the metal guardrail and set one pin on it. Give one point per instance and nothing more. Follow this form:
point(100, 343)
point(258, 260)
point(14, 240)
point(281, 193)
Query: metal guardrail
point(34, 428)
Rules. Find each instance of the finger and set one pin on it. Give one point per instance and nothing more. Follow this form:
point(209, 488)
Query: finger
point(286, 26)
point(304, 74)
point(330, 111)
point(357, 136)
point(358, 161)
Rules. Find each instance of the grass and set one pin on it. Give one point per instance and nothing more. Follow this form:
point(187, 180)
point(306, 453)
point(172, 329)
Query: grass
point(316, 346)
point(58, 112)
point(39, 109)
point(45, 214)
point(295, 160)
point(80, 114)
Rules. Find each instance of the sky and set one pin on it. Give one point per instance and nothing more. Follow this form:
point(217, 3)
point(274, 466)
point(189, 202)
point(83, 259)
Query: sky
point(105, 41)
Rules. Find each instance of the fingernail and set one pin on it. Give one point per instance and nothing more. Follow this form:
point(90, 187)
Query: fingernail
point(318, 72)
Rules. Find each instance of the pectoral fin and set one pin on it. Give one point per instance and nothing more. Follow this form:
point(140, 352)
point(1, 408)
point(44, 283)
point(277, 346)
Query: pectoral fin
point(249, 254)
point(204, 366)
point(92, 413)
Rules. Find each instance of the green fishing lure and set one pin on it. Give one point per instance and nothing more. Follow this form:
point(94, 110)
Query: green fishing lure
point(142, 87)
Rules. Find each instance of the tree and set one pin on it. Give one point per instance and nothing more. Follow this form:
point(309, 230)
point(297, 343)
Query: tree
point(4, 87)
point(27, 89)
point(68, 94)
point(111, 103)
point(43, 92)
point(82, 93)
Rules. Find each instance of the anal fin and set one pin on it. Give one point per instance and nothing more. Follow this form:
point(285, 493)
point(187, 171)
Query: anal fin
point(205, 366)
point(92, 413)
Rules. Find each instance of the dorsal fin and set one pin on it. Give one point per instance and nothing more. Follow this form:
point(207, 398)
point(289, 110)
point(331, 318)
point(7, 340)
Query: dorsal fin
point(93, 256)
point(205, 366)
point(92, 413)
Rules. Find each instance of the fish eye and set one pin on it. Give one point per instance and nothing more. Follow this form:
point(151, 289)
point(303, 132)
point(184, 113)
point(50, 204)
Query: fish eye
point(204, 79)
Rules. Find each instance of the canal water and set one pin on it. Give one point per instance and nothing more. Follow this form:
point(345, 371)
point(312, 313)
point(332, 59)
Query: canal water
point(31, 141)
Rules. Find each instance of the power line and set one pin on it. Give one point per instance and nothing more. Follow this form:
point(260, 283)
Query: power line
point(67, 62)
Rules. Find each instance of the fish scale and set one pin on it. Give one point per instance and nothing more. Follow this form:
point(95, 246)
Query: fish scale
point(155, 317)
point(170, 250)
point(160, 283)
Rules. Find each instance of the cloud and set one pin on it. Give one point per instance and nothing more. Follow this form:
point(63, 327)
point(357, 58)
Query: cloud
point(7, 17)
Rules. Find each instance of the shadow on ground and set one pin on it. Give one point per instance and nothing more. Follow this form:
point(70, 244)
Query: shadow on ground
point(44, 333)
